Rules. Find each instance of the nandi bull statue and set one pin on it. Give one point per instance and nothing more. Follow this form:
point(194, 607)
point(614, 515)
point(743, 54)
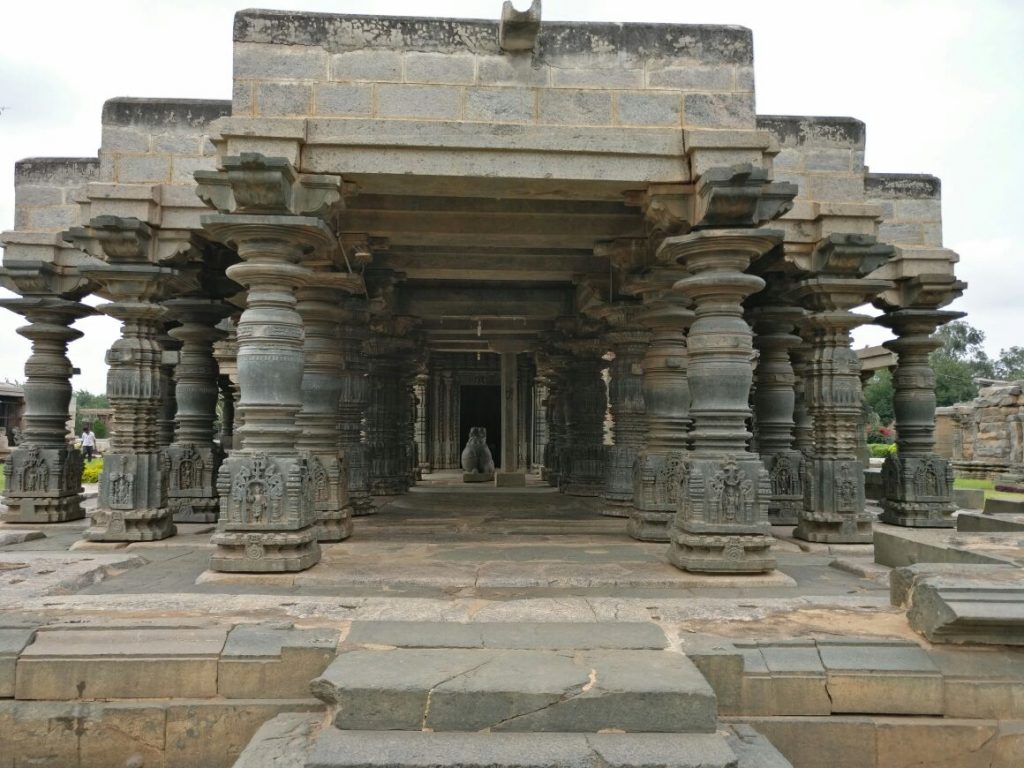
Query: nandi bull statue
point(477, 462)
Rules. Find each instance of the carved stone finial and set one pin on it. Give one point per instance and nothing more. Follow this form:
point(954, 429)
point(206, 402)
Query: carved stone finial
point(519, 29)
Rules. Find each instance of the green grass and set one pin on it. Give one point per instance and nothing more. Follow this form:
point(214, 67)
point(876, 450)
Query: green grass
point(3, 477)
point(988, 487)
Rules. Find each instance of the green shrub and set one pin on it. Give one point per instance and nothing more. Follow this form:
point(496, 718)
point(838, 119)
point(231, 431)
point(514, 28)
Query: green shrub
point(91, 471)
point(881, 450)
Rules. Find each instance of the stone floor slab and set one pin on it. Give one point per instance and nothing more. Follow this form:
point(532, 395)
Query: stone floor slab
point(514, 690)
point(524, 636)
point(882, 678)
point(898, 547)
point(261, 662)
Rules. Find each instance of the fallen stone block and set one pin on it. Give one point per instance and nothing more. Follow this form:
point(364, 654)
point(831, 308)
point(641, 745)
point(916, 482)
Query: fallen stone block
point(968, 604)
point(10, 536)
point(969, 498)
point(897, 547)
point(1004, 507)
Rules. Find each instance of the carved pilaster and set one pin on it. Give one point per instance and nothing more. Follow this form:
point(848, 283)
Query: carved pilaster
point(722, 524)
point(626, 403)
point(774, 401)
point(44, 473)
point(169, 346)
point(584, 458)
point(917, 482)
point(666, 394)
point(554, 368)
point(193, 457)
point(833, 508)
point(319, 304)
point(355, 396)
point(388, 426)
point(270, 215)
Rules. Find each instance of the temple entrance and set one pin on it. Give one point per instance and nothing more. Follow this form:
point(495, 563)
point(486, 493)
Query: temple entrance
point(480, 406)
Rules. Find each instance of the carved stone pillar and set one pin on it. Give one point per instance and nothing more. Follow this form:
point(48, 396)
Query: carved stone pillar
point(833, 510)
point(917, 482)
point(863, 452)
point(553, 366)
point(666, 394)
point(774, 402)
point(387, 416)
point(626, 401)
point(422, 447)
point(44, 472)
point(524, 387)
point(319, 304)
point(268, 520)
point(803, 429)
point(722, 524)
point(132, 502)
point(540, 419)
point(585, 448)
point(170, 345)
point(227, 413)
point(193, 458)
point(355, 395)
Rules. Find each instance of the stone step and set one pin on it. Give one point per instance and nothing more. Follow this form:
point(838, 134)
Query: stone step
point(415, 689)
point(293, 741)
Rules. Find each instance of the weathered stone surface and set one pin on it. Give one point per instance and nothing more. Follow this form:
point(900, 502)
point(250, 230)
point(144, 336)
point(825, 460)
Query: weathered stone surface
point(971, 522)
point(140, 663)
point(898, 547)
point(969, 498)
point(270, 663)
point(281, 742)
point(520, 635)
point(12, 641)
point(334, 749)
point(458, 690)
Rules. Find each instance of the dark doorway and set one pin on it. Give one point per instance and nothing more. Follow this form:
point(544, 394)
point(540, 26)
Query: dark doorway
point(480, 406)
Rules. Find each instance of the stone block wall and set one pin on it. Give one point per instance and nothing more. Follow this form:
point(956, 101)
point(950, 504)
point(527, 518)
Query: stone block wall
point(911, 205)
point(47, 192)
point(823, 156)
point(987, 433)
point(313, 65)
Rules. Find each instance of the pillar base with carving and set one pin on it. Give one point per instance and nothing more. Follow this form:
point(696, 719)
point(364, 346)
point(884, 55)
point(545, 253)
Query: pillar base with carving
point(586, 468)
point(618, 492)
point(834, 489)
point(918, 492)
point(785, 473)
point(721, 526)
point(192, 476)
point(131, 492)
point(357, 456)
point(44, 485)
point(333, 513)
point(268, 521)
point(657, 484)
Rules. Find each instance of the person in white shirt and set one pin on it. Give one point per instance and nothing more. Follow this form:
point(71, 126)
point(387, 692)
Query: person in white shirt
point(88, 443)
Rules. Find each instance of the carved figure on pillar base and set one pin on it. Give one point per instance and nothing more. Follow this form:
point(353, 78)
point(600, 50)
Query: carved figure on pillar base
point(785, 474)
point(834, 502)
point(268, 519)
point(918, 491)
point(132, 500)
point(44, 485)
point(658, 480)
point(329, 478)
point(192, 476)
point(721, 526)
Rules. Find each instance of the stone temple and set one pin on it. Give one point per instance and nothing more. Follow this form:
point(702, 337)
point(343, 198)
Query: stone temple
point(579, 237)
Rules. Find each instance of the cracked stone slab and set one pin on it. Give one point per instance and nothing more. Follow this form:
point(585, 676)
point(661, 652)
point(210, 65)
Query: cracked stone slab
point(881, 678)
point(126, 663)
point(517, 635)
point(25, 575)
point(516, 690)
point(349, 749)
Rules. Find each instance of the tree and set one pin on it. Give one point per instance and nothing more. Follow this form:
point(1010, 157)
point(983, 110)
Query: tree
point(878, 394)
point(958, 362)
point(1011, 363)
point(86, 399)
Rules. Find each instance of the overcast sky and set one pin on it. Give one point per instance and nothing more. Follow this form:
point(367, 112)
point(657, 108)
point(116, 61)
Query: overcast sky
point(940, 84)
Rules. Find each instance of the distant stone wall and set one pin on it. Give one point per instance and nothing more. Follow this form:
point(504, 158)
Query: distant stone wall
point(911, 206)
point(986, 435)
point(47, 191)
